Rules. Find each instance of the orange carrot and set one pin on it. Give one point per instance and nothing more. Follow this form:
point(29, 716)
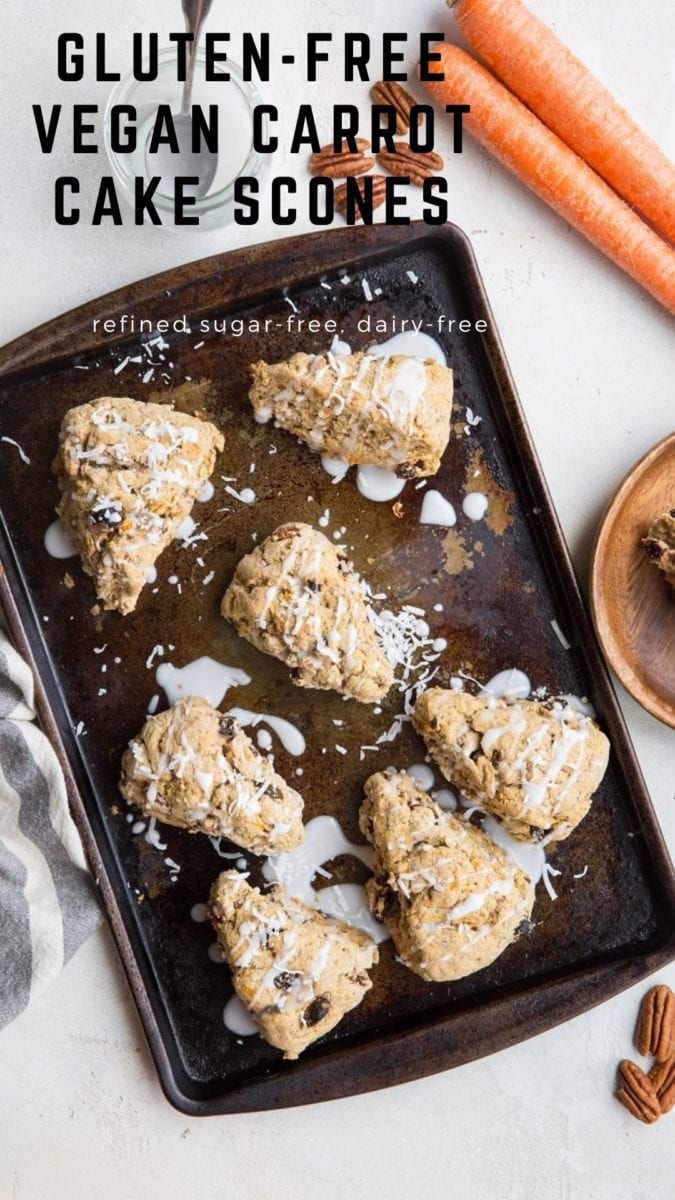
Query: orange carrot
point(534, 64)
point(554, 172)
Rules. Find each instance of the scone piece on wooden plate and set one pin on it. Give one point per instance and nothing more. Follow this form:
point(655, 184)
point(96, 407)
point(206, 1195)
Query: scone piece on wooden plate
point(298, 597)
point(194, 767)
point(451, 898)
point(533, 765)
point(296, 971)
point(389, 411)
point(659, 545)
point(129, 473)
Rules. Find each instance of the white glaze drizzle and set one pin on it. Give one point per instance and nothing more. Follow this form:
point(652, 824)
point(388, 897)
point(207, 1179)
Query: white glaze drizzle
point(186, 529)
point(378, 484)
point(237, 1019)
point(335, 468)
point(202, 677)
point(413, 345)
point(475, 506)
point(436, 510)
point(529, 857)
point(205, 493)
point(246, 495)
point(291, 738)
point(295, 869)
point(56, 541)
point(510, 683)
point(445, 798)
point(423, 775)
point(581, 704)
point(347, 902)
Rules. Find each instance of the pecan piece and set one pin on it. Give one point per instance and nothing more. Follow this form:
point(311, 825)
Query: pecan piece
point(373, 197)
point(655, 1030)
point(663, 1080)
point(405, 161)
point(338, 164)
point(397, 98)
point(637, 1092)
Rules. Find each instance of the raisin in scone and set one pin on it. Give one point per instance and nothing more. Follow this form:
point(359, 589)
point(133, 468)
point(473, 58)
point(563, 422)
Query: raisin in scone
point(296, 971)
point(533, 765)
point(659, 545)
point(129, 473)
point(384, 411)
point(194, 767)
point(451, 898)
point(298, 597)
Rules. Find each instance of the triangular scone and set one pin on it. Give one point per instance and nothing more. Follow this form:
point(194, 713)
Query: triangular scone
point(451, 898)
point(129, 473)
point(534, 765)
point(194, 767)
point(298, 597)
point(297, 971)
point(390, 411)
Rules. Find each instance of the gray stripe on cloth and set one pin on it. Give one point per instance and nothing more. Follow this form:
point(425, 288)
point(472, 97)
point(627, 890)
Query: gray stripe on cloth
point(73, 886)
point(11, 694)
point(15, 940)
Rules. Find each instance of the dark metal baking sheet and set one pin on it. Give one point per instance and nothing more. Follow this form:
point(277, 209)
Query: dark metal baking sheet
point(605, 930)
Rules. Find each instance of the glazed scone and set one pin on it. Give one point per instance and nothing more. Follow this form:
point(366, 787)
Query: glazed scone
point(129, 473)
point(659, 545)
point(296, 971)
point(389, 411)
point(451, 898)
point(194, 767)
point(533, 765)
point(298, 597)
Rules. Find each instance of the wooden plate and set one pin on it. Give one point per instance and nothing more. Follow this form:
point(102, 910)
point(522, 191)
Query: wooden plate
point(632, 605)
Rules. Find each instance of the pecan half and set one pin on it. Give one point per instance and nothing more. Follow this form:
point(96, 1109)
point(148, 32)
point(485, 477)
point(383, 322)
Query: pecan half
point(338, 164)
point(637, 1093)
point(655, 1030)
point(378, 194)
point(397, 98)
point(405, 161)
point(663, 1081)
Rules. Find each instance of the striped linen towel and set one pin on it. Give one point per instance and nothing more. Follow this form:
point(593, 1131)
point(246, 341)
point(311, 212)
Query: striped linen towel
point(48, 903)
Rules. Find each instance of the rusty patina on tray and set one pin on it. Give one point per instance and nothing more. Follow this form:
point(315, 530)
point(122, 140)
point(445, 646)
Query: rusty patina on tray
point(501, 583)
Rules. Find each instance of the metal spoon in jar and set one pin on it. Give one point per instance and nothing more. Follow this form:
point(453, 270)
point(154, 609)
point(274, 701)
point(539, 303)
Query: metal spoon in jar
point(165, 162)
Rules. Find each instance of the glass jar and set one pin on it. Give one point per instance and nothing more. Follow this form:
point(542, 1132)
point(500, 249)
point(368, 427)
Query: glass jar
point(236, 100)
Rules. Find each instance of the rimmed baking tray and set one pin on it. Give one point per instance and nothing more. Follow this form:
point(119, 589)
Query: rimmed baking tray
point(509, 599)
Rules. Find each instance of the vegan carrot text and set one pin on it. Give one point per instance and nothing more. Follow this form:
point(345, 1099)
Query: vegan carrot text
point(534, 64)
point(501, 123)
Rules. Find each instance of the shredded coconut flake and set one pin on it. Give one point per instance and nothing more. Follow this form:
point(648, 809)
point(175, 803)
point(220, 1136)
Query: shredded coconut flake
point(560, 635)
point(547, 873)
point(22, 453)
point(156, 650)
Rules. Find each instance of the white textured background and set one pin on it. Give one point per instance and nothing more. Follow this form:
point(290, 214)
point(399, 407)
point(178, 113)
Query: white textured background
point(594, 359)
